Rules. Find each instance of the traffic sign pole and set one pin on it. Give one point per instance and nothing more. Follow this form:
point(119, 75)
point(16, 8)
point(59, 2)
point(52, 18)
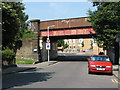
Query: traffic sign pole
point(48, 41)
point(48, 49)
point(48, 57)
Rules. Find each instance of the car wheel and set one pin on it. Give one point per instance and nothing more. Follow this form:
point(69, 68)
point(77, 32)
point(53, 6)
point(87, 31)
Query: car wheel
point(111, 73)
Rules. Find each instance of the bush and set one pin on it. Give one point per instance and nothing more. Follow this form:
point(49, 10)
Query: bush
point(29, 34)
point(8, 55)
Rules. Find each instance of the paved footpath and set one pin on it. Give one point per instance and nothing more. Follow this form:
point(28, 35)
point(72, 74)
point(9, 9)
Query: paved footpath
point(116, 71)
point(21, 68)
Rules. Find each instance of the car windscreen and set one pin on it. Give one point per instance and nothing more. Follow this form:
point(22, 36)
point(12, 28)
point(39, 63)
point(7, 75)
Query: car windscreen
point(100, 58)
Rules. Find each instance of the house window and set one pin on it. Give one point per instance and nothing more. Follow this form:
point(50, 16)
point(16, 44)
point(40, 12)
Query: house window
point(69, 42)
point(94, 43)
point(65, 41)
point(80, 42)
point(73, 42)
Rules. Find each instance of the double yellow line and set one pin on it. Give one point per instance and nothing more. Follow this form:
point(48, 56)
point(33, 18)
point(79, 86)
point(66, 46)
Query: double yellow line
point(115, 81)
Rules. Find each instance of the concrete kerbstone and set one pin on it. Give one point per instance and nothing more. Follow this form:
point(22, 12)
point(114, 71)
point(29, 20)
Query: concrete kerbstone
point(22, 68)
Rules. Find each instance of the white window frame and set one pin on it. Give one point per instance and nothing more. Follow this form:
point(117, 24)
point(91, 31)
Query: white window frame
point(70, 42)
point(94, 43)
point(80, 42)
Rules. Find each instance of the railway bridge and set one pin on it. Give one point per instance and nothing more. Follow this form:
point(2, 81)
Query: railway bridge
point(72, 28)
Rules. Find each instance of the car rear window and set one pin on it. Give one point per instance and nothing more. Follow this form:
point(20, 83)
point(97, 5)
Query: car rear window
point(100, 58)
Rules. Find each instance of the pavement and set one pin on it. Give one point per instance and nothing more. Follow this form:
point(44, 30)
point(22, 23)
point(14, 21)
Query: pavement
point(22, 68)
point(116, 71)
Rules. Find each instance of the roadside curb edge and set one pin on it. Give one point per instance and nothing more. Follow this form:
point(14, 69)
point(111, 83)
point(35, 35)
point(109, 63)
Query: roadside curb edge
point(25, 69)
point(19, 71)
point(116, 76)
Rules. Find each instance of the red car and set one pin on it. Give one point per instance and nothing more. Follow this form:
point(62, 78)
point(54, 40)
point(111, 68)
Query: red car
point(99, 63)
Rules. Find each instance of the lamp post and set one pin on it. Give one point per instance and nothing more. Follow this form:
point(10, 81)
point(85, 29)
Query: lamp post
point(48, 39)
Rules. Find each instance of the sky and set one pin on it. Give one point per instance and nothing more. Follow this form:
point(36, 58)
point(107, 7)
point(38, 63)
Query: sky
point(57, 10)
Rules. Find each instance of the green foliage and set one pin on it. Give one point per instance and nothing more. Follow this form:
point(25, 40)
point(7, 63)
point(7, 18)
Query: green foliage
point(82, 43)
point(65, 45)
point(13, 24)
point(8, 54)
point(91, 44)
point(25, 61)
point(28, 34)
point(62, 43)
point(106, 22)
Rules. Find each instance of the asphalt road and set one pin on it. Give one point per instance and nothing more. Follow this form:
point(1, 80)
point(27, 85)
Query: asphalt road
point(64, 74)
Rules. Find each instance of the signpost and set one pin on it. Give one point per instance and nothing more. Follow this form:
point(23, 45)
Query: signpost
point(48, 42)
point(48, 46)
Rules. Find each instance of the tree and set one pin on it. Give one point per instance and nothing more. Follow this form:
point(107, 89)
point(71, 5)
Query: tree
point(91, 44)
point(82, 45)
point(13, 27)
point(62, 43)
point(65, 46)
point(13, 24)
point(106, 22)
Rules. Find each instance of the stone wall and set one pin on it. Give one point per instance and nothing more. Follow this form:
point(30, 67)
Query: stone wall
point(28, 49)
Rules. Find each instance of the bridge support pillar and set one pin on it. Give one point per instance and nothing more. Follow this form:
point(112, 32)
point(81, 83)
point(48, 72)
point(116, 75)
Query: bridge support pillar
point(53, 50)
point(44, 51)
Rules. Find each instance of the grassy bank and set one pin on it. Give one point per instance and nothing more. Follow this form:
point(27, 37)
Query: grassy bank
point(25, 61)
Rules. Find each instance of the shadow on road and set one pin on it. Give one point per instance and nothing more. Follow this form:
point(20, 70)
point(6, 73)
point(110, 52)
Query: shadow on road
point(73, 58)
point(21, 79)
point(97, 73)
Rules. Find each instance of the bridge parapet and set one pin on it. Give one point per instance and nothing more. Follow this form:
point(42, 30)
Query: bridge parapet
point(65, 23)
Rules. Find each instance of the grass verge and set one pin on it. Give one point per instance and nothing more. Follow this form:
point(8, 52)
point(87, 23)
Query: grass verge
point(25, 61)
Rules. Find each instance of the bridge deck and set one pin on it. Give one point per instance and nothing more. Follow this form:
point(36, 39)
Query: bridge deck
point(65, 27)
point(68, 32)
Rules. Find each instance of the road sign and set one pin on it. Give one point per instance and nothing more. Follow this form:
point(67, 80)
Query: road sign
point(48, 40)
point(48, 46)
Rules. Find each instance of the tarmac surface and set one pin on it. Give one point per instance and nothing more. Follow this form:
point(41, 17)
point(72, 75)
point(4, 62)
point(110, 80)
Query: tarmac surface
point(22, 68)
point(65, 74)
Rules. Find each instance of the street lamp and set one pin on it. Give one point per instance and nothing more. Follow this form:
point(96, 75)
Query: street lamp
point(48, 39)
point(48, 29)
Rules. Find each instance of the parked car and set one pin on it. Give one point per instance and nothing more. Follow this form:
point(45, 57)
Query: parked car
point(99, 63)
